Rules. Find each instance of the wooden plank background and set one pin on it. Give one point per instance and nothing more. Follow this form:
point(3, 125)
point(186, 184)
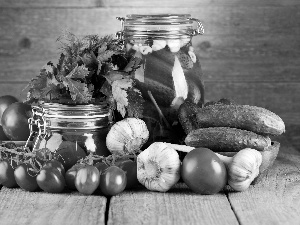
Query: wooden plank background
point(250, 50)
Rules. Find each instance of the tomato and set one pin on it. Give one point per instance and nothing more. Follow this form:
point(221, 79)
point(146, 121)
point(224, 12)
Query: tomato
point(69, 153)
point(113, 181)
point(50, 180)
point(15, 121)
point(7, 177)
point(6, 101)
point(130, 168)
point(203, 171)
point(87, 179)
point(25, 177)
point(71, 175)
point(56, 164)
point(3, 136)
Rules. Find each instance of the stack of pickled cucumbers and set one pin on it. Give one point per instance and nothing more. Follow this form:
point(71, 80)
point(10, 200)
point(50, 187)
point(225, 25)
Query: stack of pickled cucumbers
point(227, 127)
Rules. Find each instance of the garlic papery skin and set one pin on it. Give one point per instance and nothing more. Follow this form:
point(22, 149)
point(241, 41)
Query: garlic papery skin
point(158, 167)
point(244, 168)
point(127, 136)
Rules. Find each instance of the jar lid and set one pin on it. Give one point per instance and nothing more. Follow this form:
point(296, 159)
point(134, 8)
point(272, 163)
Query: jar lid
point(57, 110)
point(159, 26)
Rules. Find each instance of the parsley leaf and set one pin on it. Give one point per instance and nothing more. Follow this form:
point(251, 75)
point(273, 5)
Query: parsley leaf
point(79, 91)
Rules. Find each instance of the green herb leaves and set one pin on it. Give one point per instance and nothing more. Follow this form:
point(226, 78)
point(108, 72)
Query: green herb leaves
point(89, 69)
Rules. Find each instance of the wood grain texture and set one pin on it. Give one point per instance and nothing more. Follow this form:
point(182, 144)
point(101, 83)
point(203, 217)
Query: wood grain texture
point(273, 200)
point(138, 3)
point(14, 89)
point(47, 4)
point(221, 61)
point(178, 206)
point(18, 207)
point(235, 47)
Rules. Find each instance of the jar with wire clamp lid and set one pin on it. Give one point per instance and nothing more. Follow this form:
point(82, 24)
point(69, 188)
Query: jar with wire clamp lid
point(80, 126)
point(171, 70)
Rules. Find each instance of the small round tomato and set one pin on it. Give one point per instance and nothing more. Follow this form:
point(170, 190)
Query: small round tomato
point(50, 180)
point(71, 175)
point(15, 121)
point(3, 136)
point(7, 177)
point(130, 168)
point(6, 101)
point(56, 164)
point(69, 153)
point(26, 177)
point(87, 179)
point(113, 181)
point(203, 171)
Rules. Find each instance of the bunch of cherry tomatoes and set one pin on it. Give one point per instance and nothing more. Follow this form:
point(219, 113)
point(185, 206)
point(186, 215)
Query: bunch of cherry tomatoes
point(33, 172)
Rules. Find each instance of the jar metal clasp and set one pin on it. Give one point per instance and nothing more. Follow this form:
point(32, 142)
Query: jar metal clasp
point(120, 34)
point(200, 28)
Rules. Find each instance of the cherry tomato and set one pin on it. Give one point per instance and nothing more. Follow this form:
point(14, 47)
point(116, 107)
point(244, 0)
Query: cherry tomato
point(130, 167)
point(15, 121)
point(6, 101)
point(7, 177)
point(71, 175)
point(25, 177)
point(69, 153)
point(3, 136)
point(203, 171)
point(56, 164)
point(50, 180)
point(113, 181)
point(87, 179)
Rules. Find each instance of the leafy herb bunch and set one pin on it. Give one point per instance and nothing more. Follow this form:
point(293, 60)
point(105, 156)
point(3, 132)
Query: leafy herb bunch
point(90, 70)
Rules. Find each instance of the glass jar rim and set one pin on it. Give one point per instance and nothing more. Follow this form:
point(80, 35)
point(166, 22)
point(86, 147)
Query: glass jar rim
point(158, 26)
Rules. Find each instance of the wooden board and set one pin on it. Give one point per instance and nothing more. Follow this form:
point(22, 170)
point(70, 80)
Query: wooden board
point(139, 3)
point(275, 199)
point(14, 89)
point(20, 207)
point(177, 206)
point(222, 58)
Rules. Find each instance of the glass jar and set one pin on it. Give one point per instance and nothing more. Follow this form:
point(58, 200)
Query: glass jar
point(170, 71)
point(85, 125)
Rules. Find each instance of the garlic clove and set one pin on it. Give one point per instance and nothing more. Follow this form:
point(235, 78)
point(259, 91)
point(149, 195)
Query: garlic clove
point(244, 168)
point(158, 167)
point(127, 136)
point(145, 50)
point(174, 45)
point(192, 56)
point(158, 45)
point(184, 41)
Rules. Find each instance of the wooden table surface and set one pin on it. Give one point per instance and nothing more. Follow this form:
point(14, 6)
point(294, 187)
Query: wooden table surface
point(273, 200)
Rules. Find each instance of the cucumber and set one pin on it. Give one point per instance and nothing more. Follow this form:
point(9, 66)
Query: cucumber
point(187, 116)
point(224, 139)
point(252, 118)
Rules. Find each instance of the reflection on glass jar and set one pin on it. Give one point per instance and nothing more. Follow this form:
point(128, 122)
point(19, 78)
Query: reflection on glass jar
point(85, 125)
point(171, 69)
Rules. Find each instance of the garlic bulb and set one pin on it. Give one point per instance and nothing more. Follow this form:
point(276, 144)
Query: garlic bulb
point(243, 168)
point(158, 167)
point(127, 136)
